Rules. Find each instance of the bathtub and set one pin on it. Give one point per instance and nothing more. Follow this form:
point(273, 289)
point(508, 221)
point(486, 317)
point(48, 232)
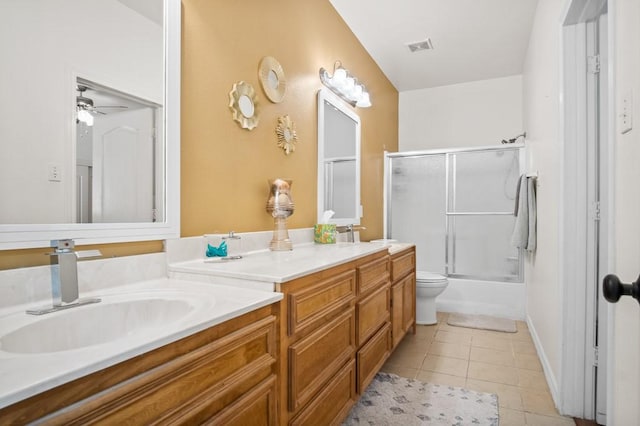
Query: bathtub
point(500, 299)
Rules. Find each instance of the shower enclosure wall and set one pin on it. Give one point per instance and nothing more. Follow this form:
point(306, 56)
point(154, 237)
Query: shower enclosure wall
point(457, 206)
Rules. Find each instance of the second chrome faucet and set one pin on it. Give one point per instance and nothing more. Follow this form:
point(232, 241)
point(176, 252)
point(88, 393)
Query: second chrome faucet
point(350, 230)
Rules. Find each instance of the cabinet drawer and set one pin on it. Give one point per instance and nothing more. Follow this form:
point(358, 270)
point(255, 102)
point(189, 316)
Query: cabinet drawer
point(372, 356)
point(332, 404)
point(402, 265)
point(371, 313)
point(316, 358)
point(320, 300)
point(373, 274)
point(256, 407)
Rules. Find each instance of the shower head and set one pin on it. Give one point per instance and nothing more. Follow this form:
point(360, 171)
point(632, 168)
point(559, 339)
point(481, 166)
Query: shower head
point(523, 135)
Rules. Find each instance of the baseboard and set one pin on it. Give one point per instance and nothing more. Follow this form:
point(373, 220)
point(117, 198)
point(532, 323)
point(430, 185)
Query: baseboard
point(546, 366)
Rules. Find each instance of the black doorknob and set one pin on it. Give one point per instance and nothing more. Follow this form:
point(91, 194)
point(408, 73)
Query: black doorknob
point(613, 289)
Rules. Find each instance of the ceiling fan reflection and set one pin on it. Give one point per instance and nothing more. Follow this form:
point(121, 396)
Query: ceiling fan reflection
point(85, 103)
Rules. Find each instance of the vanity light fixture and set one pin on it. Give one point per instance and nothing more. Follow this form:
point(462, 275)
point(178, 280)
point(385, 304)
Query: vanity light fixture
point(345, 85)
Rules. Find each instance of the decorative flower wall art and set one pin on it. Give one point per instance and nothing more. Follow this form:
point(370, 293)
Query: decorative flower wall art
point(287, 137)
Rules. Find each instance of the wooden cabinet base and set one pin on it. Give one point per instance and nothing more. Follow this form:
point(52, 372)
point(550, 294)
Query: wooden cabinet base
point(327, 316)
point(194, 380)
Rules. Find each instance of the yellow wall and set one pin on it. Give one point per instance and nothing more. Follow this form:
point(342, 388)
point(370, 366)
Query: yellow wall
point(225, 168)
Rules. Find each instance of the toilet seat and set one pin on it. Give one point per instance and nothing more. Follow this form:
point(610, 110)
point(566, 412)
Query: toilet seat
point(429, 279)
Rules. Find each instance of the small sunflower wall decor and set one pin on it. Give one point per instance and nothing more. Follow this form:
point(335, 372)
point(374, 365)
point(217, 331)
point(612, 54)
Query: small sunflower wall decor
point(287, 137)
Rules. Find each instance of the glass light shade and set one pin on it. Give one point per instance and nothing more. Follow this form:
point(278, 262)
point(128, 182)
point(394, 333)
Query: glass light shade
point(364, 101)
point(86, 117)
point(350, 84)
point(339, 76)
point(357, 91)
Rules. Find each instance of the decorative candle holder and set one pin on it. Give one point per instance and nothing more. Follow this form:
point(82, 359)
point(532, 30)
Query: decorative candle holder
point(280, 206)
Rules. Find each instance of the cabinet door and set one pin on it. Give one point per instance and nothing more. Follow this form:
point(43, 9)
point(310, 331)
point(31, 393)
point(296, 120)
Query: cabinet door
point(409, 302)
point(397, 312)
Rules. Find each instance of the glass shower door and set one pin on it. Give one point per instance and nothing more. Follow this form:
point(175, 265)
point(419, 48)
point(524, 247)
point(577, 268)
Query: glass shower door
point(480, 216)
point(419, 199)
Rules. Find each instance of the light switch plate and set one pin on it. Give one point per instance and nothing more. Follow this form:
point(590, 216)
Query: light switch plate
point(54, 173)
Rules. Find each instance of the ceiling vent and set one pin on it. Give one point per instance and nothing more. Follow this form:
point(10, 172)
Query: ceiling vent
point(420, 45)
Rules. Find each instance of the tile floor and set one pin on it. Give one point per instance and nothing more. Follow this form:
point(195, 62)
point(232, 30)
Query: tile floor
point(488, 361)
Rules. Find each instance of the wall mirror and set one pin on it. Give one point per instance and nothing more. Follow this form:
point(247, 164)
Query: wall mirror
point(89, 121)
point(338, 160)
point(243, 105)
point(272, 78)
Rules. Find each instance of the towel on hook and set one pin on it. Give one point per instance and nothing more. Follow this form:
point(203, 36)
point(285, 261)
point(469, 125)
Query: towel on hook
point(524, 232)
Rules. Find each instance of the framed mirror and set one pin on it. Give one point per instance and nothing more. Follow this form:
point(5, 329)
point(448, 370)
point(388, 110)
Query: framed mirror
point(89, 121)
point(338, 160)
point(243, 105)
point(272, 78)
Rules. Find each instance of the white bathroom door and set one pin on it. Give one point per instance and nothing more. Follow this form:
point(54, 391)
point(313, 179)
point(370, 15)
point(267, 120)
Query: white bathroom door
point(624, 390)
point(624, 364)
point(123, 161)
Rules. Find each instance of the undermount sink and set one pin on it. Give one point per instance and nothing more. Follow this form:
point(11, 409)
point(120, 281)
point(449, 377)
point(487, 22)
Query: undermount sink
point(95, 324)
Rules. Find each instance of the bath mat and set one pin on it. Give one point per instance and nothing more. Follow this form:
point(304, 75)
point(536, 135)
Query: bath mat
point(482, 322)
point(393, 400)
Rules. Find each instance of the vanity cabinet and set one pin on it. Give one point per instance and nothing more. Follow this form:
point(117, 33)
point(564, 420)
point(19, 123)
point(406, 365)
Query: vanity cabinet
point(226, 374)
point(403, 294)
point(373, 315)
point(335, 336)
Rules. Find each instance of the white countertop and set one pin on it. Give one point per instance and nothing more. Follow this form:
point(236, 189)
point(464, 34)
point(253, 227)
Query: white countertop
point(282, 266)
point(26, 374)
point(398, 247)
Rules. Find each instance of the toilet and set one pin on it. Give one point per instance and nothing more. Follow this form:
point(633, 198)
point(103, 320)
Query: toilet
point(428, 287)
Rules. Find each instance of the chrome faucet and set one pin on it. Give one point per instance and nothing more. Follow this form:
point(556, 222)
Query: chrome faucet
point(64, 277)
point(350, 230)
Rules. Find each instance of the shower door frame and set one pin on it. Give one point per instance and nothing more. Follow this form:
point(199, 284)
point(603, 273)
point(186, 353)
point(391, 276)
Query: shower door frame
point(450, 194)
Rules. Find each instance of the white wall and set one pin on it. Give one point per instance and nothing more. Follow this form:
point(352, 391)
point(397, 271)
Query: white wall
point(541, 119)
point(44, 44)
point(477, 113)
